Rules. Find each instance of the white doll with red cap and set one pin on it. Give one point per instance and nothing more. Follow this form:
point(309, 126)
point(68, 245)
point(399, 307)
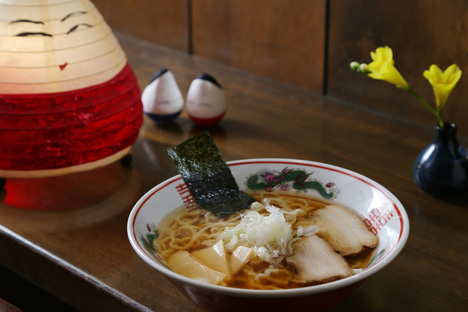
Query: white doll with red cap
point(206, 103)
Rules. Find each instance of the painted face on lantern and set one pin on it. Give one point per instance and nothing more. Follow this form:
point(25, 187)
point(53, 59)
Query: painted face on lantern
point(62, 47)
point(26, 23)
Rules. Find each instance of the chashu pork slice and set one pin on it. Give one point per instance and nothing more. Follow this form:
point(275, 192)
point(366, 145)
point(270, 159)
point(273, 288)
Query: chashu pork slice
point(342, 229)
point(316, 262)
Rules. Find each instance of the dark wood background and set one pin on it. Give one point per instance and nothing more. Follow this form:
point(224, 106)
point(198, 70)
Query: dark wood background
point(310, 43)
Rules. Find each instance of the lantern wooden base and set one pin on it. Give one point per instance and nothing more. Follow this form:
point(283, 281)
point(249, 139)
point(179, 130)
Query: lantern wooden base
point(25, 174)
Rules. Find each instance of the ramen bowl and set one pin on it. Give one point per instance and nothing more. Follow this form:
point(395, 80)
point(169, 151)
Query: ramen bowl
point(380, 210)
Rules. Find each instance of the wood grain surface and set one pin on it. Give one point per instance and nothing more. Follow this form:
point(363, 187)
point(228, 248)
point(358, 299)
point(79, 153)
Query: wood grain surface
point(281, 40)
point(163, 22)
point(79, 250)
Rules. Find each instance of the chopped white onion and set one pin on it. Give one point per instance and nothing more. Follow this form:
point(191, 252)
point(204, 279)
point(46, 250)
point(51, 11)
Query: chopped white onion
point(270, 236)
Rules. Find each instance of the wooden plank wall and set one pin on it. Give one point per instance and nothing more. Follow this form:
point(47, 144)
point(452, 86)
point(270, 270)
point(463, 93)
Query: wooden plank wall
point(282, 40)
point(164, 22)
point(310, 43)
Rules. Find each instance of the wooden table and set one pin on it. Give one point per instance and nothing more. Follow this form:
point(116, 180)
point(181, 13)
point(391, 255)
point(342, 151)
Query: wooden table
point(78, 249)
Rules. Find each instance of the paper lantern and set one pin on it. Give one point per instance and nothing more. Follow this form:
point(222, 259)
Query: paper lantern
point(69, 100)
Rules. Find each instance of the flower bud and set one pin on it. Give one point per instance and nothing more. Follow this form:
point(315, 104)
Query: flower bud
point(363, 68)
point(354, 66)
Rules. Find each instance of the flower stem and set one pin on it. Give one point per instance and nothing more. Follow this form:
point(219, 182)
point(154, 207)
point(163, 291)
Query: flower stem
point(439, 118)
point(432, 110)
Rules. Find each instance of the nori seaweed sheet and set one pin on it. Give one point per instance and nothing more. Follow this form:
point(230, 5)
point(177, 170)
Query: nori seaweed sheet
point(208, 177)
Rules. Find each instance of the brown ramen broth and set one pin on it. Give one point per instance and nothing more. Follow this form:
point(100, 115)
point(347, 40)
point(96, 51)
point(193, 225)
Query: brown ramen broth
point(195, 228)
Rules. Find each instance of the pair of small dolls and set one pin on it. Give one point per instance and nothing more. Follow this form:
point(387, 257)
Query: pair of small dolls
point(163, 101)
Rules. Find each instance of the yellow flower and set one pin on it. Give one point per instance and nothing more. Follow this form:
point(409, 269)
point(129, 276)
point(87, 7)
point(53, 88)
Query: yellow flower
point(382, 68)
point(442, 82)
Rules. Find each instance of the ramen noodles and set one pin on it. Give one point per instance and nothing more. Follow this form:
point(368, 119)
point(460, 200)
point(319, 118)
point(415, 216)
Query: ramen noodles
point(283, 241)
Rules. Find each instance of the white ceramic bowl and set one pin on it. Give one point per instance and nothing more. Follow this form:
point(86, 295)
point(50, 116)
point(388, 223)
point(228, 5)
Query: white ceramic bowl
point(379, 208)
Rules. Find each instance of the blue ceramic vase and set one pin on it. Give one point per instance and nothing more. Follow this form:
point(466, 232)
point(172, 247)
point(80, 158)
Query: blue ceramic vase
point(442, 167)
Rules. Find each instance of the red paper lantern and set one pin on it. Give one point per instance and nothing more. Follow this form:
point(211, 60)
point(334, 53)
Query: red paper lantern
point(69, 100)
